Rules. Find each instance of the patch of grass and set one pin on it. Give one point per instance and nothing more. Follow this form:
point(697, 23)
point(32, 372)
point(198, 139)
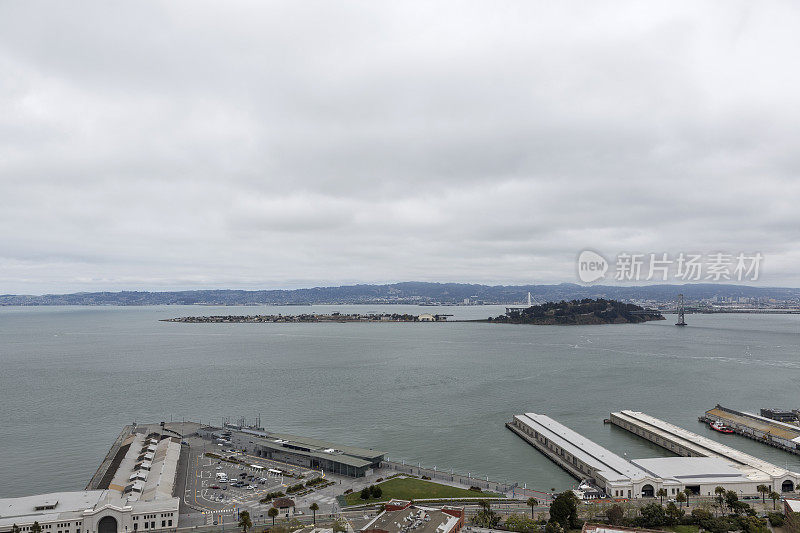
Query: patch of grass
point(416, 489)
point(683, 529)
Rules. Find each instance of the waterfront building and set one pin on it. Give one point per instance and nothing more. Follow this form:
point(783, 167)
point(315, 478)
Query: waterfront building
point(701, 465)
point(301, 451)
point(134, 494)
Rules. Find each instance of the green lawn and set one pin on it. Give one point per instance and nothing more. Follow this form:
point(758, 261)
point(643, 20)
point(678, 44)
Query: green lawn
point(683, 529)
point(416, 489)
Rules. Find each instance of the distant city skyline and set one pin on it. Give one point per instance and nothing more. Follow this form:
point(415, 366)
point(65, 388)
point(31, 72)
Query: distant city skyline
point(177, 145)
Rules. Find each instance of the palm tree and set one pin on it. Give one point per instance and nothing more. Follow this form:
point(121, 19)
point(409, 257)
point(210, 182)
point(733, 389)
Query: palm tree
point(681, 497)
point(720, 498)
point(774, 496)
point(485, 505)
point(532, 503)
point(688, 493)
point(314, 508)
point(272, 513)
point(244, 521)
point(661, 493)
point(764, 490)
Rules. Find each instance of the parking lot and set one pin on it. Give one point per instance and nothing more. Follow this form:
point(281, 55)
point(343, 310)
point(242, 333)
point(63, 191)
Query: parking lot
point(244, 484)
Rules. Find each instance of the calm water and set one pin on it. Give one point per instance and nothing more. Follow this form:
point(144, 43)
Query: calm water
point(435, 393)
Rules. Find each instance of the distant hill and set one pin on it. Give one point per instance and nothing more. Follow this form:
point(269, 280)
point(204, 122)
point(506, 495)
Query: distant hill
point(579, 312)
point(410, 293)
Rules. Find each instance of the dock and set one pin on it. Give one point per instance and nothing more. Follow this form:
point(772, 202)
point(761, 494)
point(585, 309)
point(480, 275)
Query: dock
point(702, 466)
point(685, 443)
point(773, 433)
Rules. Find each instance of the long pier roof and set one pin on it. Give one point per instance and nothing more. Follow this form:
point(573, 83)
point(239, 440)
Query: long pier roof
point(608, 464)
point(710, 447)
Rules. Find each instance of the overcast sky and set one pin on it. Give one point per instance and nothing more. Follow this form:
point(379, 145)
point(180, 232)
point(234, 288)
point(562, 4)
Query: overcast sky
point(173, 145)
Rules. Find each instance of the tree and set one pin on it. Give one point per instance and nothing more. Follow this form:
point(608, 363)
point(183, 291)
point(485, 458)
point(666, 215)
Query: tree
point(339, 525)
point(564, 510)
point(688, 493)
point(272, 513)
point(366, 493)
point(314, 508)
point(661, 493)
point(15, 529)
point(553, 527)
point(36, 528)
point(681, 497)
point(520, 523)
point(532, 502)
point(652, 516)
point(673, 513)
point(615, 514)
point(376, 491)
point(244, 521)
point(774, 496)
point(486, 517)
point(731, 499)
point(720, 498)
point(764, 490)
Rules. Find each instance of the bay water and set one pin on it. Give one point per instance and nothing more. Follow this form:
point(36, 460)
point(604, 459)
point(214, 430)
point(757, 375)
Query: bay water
point(431, 393)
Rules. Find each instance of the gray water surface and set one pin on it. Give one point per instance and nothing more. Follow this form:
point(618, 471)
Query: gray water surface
point(71, 377)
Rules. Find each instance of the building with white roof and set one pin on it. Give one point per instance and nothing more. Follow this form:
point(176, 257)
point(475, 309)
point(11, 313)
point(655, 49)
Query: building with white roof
point(702, 464)
point(137, 496)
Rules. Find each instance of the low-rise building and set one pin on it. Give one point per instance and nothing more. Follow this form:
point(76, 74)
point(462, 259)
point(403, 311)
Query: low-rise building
point(301, 451)
point(285, 506)
point(400, 516)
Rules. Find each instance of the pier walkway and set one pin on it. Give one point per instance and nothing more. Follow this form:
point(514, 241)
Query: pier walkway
point(772, 432)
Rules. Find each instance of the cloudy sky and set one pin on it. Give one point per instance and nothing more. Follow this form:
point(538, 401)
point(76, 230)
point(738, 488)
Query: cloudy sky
point(148, 145)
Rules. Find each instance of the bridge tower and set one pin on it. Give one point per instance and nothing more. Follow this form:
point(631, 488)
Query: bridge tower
point(681, 310)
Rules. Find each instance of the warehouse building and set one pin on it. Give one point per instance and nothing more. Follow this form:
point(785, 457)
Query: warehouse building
point(702, 464)
point(301, 451)
point(139, 497)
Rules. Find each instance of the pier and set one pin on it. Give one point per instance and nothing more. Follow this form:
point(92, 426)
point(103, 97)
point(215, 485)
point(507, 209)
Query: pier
point(685, 443)
point(767, 431)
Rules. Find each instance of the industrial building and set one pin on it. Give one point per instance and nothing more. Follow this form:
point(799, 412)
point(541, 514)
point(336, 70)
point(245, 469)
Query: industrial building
point(701, 464)
point(133, 493)
point(301, 451)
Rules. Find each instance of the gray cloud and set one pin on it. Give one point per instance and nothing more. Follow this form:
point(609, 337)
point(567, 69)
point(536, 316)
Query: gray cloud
point(188, 145)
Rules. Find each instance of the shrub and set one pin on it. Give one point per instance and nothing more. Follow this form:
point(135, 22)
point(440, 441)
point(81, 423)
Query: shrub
point(776, 519)
point(295, 488)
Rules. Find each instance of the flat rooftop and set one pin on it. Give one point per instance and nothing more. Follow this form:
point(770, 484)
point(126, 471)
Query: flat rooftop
point(703, 445)
point(349, 455)
point(416, 519)
point(685, 469)
point(610, 465)
point(46, 507)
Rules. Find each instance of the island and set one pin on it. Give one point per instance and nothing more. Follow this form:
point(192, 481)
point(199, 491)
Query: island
point(311, 317)
point(578, 312)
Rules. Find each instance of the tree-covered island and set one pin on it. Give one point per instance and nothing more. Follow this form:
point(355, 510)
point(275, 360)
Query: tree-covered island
point(579, 312)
